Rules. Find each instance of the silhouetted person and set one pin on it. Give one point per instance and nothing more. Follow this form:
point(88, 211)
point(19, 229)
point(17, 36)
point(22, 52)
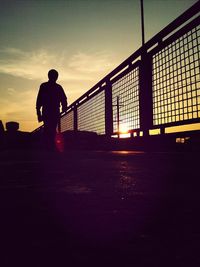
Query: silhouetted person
point(50, 96)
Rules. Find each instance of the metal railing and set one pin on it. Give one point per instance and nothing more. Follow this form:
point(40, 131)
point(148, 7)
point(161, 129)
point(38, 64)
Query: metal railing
point(157, 86)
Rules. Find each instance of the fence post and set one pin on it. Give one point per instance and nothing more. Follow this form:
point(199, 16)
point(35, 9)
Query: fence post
point(75, 118)
point(145, 94)
point(108, 109)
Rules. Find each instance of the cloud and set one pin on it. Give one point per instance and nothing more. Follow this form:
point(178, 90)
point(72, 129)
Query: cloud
point(11, 91)
point(98, 62)
point(29, 65)
point(20, 109)
point(78, 73)
point(34, 65)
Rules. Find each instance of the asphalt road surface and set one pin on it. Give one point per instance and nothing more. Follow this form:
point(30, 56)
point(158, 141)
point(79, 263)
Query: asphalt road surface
point(95, 208)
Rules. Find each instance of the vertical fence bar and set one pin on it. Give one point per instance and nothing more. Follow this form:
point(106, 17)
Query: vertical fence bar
point(108, 109)
point(145, 95)
point(118, 120)
point(75, 118)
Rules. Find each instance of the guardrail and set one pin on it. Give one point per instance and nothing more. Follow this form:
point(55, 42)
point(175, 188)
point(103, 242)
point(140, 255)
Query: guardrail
point(156, 87)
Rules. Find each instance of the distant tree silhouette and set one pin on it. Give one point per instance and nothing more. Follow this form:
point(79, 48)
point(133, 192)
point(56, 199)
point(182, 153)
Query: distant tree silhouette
point(50, 96)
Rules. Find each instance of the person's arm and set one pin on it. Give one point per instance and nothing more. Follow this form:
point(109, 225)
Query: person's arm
point(39, 105)
point(63, 100)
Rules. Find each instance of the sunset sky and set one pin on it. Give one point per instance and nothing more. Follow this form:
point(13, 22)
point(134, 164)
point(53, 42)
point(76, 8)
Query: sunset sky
point(82, 39)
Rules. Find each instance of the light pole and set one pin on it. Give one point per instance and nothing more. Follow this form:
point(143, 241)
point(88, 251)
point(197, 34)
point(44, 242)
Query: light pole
point(142, 21)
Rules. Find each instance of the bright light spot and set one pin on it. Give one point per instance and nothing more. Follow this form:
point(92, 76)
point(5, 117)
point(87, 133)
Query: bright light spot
point(125, 135)
point(154, 131)
point(123, 129)
point(182, 140)
point(115, 136)
point(183, 128)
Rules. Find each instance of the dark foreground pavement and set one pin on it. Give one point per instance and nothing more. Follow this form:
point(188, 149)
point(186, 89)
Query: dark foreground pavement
point(99, 209)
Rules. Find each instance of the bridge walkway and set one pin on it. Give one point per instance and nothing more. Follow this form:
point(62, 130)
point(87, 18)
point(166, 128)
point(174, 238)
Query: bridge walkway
point(97, 208)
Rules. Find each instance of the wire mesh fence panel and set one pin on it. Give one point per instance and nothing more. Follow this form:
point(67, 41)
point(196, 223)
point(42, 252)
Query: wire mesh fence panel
point(91, 114)
point(168, 87)
point(67, 122)
point(176, 80)
point(127, 90)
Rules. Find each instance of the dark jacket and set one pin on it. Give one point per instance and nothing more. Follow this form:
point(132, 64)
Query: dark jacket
point(49, 98)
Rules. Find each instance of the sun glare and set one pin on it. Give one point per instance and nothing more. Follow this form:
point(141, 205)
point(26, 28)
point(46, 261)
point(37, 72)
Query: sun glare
point(123, 129)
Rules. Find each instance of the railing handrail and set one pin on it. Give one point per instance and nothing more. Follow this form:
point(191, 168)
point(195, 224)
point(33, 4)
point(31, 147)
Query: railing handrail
point(175, 24)
point(141, 57)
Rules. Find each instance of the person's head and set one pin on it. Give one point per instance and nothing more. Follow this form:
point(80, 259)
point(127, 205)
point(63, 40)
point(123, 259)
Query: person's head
point(53, 75)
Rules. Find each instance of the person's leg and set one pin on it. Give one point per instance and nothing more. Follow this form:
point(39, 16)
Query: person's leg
point(50, 133)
